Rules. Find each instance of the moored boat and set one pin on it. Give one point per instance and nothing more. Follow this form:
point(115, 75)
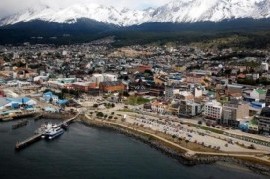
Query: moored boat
point(52, 131)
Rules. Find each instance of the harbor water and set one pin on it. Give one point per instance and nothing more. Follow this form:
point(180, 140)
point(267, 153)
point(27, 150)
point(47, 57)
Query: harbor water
point(86, 152)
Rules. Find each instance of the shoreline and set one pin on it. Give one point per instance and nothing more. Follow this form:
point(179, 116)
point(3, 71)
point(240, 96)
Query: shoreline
point(179, 154)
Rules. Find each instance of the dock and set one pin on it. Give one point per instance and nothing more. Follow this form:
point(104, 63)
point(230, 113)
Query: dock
point(28, 141)
point(37, 137)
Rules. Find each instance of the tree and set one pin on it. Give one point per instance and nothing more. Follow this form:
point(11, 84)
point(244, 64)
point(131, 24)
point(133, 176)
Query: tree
point(100, 114)
point(187, 141)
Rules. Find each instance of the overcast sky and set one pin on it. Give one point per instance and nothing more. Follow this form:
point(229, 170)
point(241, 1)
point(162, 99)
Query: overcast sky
point(12, 6)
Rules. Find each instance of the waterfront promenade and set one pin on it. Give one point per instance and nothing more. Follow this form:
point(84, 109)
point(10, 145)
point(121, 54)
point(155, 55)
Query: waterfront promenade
point(255, 156)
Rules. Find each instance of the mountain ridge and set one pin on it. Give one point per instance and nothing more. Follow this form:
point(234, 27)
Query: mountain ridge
point(175, 11)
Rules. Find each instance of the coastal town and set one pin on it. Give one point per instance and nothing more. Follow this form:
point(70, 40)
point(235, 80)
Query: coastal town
point(203, 101)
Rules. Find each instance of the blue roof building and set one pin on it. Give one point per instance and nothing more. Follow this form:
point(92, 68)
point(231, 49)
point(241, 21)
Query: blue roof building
point(50, 96)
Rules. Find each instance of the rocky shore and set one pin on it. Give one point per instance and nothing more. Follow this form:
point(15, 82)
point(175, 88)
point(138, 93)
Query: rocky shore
point(59, 116)
point(181, 156)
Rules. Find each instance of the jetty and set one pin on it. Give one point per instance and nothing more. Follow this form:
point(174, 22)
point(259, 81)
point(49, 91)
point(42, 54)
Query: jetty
point(37, 137)
point(20, 124)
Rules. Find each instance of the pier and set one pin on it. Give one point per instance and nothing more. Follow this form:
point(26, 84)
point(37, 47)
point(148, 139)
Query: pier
point(28, 141)
point(37, 137)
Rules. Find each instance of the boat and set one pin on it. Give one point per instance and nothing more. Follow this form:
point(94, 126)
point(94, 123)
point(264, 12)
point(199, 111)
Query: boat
point(64, 126)
point(52, 131)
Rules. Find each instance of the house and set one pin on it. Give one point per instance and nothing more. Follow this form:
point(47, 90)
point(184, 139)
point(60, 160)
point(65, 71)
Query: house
point(49, 96)
point(111, 86)
point(258, 94)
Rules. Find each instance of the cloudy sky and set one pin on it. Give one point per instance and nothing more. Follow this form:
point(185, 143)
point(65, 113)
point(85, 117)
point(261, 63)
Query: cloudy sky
point(12, 6)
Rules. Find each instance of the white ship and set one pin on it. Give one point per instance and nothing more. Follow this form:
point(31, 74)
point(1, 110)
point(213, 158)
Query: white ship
point(52, 131)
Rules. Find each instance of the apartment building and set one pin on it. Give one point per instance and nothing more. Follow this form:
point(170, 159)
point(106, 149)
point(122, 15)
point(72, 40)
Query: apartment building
point(234, 112)
point(213, 110)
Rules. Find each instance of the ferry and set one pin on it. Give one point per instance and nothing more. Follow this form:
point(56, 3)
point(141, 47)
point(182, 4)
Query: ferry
point(52, 131)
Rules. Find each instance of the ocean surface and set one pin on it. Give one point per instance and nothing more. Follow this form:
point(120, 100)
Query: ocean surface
point(86, 152)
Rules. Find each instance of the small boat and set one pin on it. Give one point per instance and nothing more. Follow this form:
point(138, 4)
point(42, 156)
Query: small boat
point(64, 126)
point(52, 131)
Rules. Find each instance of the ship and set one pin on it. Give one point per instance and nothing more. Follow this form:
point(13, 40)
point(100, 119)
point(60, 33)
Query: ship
point(52, 131)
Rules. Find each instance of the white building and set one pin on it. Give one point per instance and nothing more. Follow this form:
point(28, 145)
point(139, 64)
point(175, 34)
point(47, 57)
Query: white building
point(213, 110)
point(198, 92)
point(98, 78)
point(158, 107)
point(109, 77)
point(264, 66)
point(258, 94)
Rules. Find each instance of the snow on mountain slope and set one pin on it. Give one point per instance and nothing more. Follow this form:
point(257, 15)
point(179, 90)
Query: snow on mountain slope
point(174, 11)
point(211, 10)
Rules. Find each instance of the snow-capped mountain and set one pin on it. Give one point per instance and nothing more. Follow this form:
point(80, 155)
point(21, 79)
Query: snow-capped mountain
point(211, 10)
point(174, 11)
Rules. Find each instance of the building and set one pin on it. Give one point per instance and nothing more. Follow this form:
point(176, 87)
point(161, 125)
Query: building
point(264, 121)
point(158, 107)
point(213, 110)
point(264, 66)
point(258, 94)
point(111, 86)
point(234, 112)
point(189, 108)
point(267, 98)
point(232, 89)
point(98, 78)
point(61, 83)
point(169, 91)
point(196, 78)
point(50, 97)
point(83, 86)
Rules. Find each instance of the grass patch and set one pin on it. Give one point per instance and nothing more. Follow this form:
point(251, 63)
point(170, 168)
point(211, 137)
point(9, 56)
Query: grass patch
point(211, 129)
point(137, 100)
point(126, 110)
